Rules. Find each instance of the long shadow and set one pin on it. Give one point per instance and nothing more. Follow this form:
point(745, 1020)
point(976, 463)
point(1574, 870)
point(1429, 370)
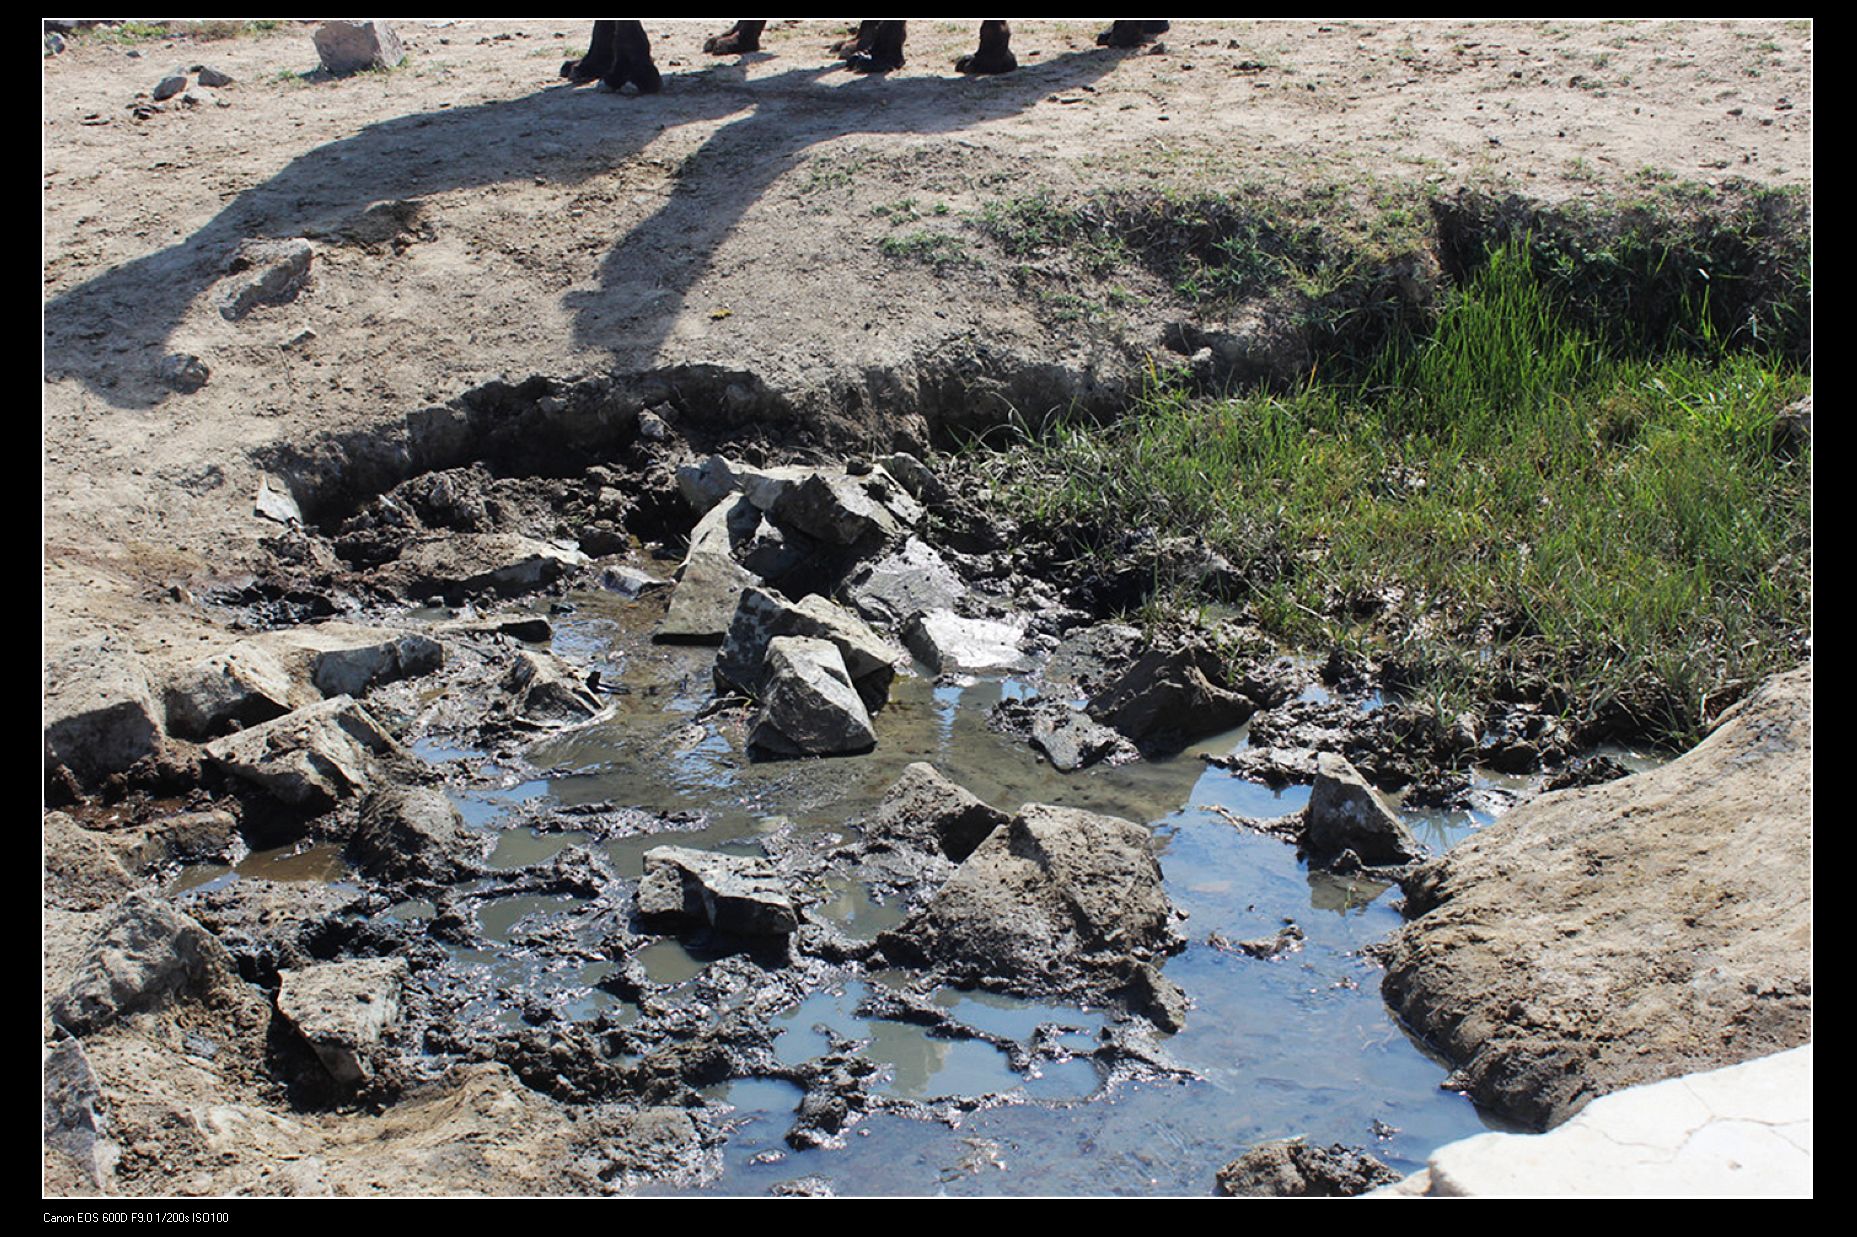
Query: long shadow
point(569, 134)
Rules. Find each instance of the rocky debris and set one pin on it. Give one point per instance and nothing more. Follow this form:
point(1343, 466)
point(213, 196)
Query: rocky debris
point(149, 955)
point(1167, 699)
point(183, 372)
point(311, 758)
point(100, 716)
point(1071, 741)
point(950, 644)
point(628, 581)
point(356, 46)
point(916, 477)
point(1596, 939)
point(241, 687)
point(183, 838)
point(709, 588)
point(650, 1144)
point(1291, 1168)
point(762, 615)
point(842, 510)
point(1595, 770)
point(83, 871)
point(902, 584)
point(387, 657)
point(208, 76)
point(1057, 900)
point(1288, 940)
point(271, 926)
point(343, 1010)
point(543, 691)
point(264, 272)
point(413, 833)
point(737, 895)
point(1345, 814)
point(808, 704)
point(925, 811)
point(458, 565)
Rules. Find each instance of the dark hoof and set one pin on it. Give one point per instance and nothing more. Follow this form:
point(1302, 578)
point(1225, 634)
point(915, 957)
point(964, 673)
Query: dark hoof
point(866, 62)
point(980, 62)
point(576, 71)
point(738, 40)
point(1131, 33)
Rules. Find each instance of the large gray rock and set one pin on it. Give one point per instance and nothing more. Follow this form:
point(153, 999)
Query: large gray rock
point(100, 716)
point(149, 955)
point(736, 894)
point(1071, 741)
point(83, 871)
point(311, 758)
point(904, 583)
point(838, 510)
point(344, 1010)
point(1056, 900)
point(356, 46)
point(763, 614)
point(808, 704)
point(704, 600)
point(923, 810)
point(1347, 814)
point(413, 833)
point(949, 644)
point(242, 686)
point(1168, 699)
point(1599, 938)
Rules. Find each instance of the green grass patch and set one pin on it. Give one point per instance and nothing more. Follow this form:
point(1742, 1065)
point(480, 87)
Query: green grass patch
point(1513, 501)
point(934, 249)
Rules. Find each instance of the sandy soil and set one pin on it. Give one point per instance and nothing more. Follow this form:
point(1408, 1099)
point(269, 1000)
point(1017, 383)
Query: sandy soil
point(735, 218)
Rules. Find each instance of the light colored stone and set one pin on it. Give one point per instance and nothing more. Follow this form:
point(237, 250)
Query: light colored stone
point(737, 894)
point(1346, 813)
point(948, 643)
point(764, 614)
point(311, 758)
point(100, 716)
point(808, 704)
point(1738, 1132)
point(246, 684)
point(343, 1009)
point(355, 46)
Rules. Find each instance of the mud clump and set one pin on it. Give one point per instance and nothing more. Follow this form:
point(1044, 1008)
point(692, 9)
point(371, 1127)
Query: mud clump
point(1294, 1169)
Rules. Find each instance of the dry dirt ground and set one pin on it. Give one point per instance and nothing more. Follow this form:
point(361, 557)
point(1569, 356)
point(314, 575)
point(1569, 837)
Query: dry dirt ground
point(737, 219)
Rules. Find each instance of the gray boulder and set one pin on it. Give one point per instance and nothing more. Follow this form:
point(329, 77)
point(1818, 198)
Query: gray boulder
point(100, 716)
point(311, 758)
point(1071, 741)
point(948, 643)
point(148, 956)
point(763, 614)
point(1168, 699)
point(545, 692)
point(1347, 814)
point(808, 704)
point(264, 272)
point(925, 811)
point(413, 833)
point(242, 686)
point(906, 582)
point(1058, 900)
point(83, 871)
point(837, 509)
point(344, 1010)
point(736, 894)
point(703, 603)
point(356, 46)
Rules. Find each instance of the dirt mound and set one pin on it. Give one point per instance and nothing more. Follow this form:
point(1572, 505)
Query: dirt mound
point(1653, 926)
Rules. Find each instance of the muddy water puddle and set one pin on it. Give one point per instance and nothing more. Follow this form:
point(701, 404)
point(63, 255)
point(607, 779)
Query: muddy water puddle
point(1295, 1045)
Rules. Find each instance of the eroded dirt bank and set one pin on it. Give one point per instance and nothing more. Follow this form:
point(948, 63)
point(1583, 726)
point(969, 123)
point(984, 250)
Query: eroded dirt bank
point(498, 332)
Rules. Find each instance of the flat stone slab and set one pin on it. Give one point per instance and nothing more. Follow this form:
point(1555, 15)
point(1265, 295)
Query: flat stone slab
point(737, 894)
point(1744, 1131)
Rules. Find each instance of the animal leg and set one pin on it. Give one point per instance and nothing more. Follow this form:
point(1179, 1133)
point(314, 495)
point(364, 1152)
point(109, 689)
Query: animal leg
point(885, 51)
point(743, 36)
point(995, 52)
point(1131, 33)
point(599, 58)
point(632, 60)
